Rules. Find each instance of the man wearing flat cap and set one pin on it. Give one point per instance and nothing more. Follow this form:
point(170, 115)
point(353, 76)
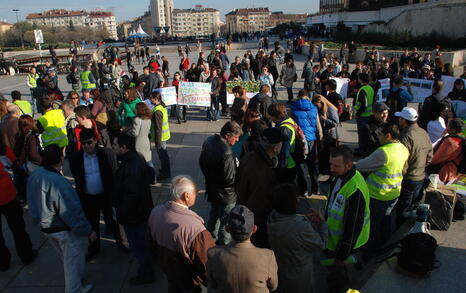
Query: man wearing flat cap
point(240, 267)
point(255, 180)
point(374, 126)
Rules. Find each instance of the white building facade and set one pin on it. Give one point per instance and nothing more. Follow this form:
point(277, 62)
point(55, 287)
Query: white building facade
point(198, 21)
point(161, 15)
point(63, 18)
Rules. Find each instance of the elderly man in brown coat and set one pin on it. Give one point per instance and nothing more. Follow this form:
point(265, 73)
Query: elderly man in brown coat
point(9, 125)
point(240, 267)
point(180, 236)
point(255, 179)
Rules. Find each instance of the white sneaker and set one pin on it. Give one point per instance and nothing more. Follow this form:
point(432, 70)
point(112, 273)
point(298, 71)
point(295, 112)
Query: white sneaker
point(87, 288)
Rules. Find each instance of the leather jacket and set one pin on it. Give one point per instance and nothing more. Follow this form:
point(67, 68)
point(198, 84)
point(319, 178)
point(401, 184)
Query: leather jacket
point(218, 164)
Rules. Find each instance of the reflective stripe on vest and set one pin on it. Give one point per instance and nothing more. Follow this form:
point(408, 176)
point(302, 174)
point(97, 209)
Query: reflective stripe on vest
point(336, 213)
point(24, 106)
point(32, 79)
point(385, 183)
point(165, 126)
point(369, 99)
point(85, 82)
point(53, 123)
point(290, 163)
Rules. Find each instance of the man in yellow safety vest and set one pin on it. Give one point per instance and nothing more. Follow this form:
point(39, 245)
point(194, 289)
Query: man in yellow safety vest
point(88, 81)
point(52, 124)
point(161, 134)
point(24, 106)
point(385, 168)
point(348, 218)
point(363, 110)
point(32, 78)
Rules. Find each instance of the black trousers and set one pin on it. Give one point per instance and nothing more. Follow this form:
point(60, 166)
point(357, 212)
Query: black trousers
point(13, 213)
point(92, 206)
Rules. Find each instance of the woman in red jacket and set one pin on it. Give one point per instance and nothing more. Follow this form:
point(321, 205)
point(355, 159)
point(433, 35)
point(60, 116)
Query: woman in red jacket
point(11, 209)
point(449, 152)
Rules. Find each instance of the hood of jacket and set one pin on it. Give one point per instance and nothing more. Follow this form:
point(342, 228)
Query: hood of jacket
point(302, 105)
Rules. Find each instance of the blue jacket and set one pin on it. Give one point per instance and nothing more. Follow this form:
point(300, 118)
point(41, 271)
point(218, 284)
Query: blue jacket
point(54, 204)
point(305, 114)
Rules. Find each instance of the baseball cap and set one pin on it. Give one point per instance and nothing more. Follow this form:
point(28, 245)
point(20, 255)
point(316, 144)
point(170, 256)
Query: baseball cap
point(427, 66)
point(273, 136)
point(408, 113)
point(241, 220)
point(380, 107)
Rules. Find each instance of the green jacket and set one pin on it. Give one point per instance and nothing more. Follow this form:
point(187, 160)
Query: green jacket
point(127, 112)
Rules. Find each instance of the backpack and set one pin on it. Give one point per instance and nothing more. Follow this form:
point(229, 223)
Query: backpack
point(417, 254)
point(69, 79)
point(300, 148)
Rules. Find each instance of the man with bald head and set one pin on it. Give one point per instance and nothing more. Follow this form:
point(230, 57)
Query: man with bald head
point(9, 125)
point(181, 238)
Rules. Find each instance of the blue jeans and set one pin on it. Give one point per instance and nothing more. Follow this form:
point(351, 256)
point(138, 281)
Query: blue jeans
point(363, 135)
point(218, 218)
point(410, 193)
point(164, 159)
point(213, 113)
point(138, 245)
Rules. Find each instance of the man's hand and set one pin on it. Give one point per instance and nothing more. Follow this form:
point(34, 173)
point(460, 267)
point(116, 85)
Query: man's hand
point(316, 216)
point(93, 236)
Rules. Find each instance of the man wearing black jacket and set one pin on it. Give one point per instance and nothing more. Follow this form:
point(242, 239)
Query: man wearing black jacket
point(93, 169)
point(218, 164)
point(347, 215)
point(273, 69)
point(133, 202)
point(151, 81)
point(261, 103)
point(213, 113)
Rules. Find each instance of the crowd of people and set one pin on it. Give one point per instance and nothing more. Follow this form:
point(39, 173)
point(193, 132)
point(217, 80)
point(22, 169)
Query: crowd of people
point(256, 169)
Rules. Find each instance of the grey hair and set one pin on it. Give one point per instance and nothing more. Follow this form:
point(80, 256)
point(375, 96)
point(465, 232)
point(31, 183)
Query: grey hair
point(180, 185)
point(69, 104)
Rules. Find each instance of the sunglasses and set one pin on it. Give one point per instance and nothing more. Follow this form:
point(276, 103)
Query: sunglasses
point(74, 98)
point(87, 142)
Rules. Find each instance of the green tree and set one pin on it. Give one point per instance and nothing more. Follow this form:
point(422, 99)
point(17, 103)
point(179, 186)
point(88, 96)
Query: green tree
point(71, 26)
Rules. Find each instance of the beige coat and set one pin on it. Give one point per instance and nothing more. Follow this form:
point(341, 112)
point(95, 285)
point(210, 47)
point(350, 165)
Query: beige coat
point(241, 268)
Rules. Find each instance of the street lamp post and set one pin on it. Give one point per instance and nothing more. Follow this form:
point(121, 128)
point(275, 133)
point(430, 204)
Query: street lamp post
point(19, 28)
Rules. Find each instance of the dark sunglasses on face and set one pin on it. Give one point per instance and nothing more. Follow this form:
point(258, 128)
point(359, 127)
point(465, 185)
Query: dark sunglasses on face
point(87, 142)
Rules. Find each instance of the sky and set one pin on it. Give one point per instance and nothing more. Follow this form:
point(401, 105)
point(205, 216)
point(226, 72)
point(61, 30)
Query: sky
point(129, 9)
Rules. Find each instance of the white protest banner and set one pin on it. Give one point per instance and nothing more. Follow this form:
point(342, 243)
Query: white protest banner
point(251, 87)
point(448, 82)
point(421, 88)
point(384, 90)
point(342, 86)
point(168, 95)
point(194, 94)
point(39, 37)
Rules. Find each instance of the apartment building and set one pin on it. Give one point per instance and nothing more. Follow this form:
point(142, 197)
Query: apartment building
point(62, 17)
point(198, 21)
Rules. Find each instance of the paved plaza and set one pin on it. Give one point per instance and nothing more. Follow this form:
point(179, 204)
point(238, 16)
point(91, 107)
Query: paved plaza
point(111, 268)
